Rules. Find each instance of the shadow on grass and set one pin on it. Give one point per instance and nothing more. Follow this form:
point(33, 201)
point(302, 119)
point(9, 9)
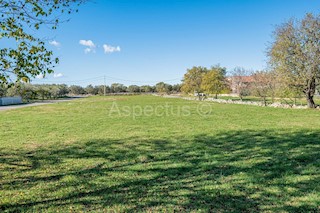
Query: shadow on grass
point(244, 171)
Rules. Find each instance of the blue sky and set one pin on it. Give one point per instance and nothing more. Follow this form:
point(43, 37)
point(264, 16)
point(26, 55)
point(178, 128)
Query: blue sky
point(157, 40)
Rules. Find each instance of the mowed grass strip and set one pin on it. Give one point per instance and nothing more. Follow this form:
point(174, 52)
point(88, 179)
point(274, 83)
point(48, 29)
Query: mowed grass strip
point(103, 154)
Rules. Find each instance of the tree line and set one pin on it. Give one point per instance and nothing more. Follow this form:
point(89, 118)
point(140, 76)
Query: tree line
point(53, 91)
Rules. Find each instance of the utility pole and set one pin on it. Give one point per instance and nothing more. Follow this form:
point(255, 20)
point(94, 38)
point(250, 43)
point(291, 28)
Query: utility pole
point(104, 86)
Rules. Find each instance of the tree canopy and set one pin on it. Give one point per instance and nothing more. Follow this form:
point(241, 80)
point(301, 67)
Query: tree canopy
point(214, 81)
point(192, 79)
point(26, 55)
point(295, 55)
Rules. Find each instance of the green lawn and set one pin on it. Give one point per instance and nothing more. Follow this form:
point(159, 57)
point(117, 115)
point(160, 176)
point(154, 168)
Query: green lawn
point(77, 156)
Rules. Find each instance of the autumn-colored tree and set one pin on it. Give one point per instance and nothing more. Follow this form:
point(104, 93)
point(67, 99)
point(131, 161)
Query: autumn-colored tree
point(192, 80)
point(295, 55)
point(263, 85)
point(214, 81)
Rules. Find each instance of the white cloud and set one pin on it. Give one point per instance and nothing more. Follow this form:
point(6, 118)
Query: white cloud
point(55, 43)
point(40, 76)
point(87, 43)
point(91, 47)
point(57, 75)
point(110, 49)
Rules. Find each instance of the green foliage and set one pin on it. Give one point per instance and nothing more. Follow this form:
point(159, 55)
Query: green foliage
point(176, 88)
point(202, 79)
point(118, 88)
point(18, 21)
point(214, 81)
point(91, 90)
point(192, 80)
point(53, 91)
point(3, 91)
point(295, 56)
point(147, 88)
point(162, 87)
point(77, 90)
point(30, 92)
point(236, 159)
point(43, 92)
point(101, 89)
point(133, 89)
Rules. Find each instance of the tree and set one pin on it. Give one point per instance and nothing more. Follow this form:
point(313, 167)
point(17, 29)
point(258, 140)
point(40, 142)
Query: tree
point(101, 88)
point(43, 91)
point(29, 92)
point(19, 19)
point(162, 87)
point(133, 89)
point(214, 81)
point(295, 55)
point(176, 88)
point(64, 90)
point(25, 90)
point(91, 90)
point(192, 80)
point(57, 91)
point(54, 91)
point(76, 90)
point(240, 82)
point(263, 85)
point(3, 91)
point(117, 88)
point(146, 88)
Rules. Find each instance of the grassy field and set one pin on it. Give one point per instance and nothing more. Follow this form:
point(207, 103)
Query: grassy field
point(298, 101)
point(145, 153)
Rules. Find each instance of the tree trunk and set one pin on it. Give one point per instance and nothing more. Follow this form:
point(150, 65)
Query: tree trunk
point(309, 92)
point(310, 101)
point(264, 101)
point(216, 97)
